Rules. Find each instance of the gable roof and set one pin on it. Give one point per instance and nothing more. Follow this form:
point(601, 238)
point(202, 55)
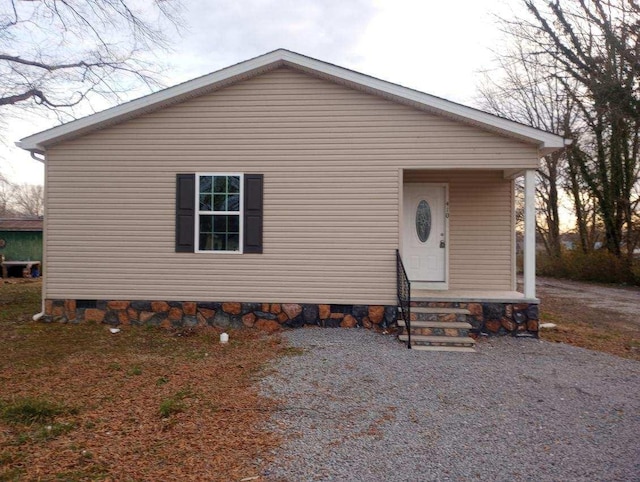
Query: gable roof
point(21, 224)
point(545, 141)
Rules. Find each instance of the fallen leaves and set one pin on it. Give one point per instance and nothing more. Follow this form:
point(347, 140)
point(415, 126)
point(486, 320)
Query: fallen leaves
point(587, 327)
point(211, 428)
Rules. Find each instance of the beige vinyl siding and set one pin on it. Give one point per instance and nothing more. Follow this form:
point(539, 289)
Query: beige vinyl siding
point(481, 251)
point(330, 156)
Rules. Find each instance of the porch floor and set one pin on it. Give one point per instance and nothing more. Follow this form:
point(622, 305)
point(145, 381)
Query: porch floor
point(471, 296)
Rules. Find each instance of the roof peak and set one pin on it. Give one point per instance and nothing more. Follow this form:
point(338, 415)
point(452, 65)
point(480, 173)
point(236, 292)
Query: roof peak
point(546, 142)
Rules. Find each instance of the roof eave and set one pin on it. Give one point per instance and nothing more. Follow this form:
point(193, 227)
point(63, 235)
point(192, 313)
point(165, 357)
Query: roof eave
point(39, 142)
point(552, 146)
point(545, 141)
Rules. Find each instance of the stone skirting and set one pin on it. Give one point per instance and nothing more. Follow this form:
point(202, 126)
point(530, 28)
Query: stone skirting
point(265, 316)
point(494, 318)
point(488, 318)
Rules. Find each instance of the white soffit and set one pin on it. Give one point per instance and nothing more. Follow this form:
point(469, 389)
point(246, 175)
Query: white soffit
point(545, 141)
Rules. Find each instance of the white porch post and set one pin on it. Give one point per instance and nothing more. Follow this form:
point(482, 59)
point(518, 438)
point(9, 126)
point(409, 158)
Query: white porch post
point(530, 233)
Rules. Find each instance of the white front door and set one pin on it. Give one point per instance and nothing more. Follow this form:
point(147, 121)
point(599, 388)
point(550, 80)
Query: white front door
point(424, 236)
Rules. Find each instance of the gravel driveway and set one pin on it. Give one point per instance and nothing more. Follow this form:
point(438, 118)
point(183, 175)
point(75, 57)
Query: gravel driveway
point(360, 406)
point(622, 300)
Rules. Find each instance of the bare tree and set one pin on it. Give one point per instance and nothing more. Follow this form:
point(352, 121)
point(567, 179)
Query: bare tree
point(20, 199)
point(29, 200)
point(585, 205)
point(58, 54)
point(6, 196)
point(524, 92)
point(592, 48)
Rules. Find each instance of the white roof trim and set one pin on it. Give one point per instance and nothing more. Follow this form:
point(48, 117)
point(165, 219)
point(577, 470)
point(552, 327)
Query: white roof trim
point(546, 141)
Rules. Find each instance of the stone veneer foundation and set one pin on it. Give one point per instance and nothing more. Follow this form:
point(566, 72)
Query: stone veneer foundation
point(487, 318)
point(493, 318)
point(265, 316)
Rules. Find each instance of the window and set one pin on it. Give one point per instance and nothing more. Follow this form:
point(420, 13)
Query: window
point(219, 208)
point(219, 213)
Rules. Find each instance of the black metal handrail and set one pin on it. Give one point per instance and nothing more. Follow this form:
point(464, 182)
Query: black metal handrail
point(404, 295)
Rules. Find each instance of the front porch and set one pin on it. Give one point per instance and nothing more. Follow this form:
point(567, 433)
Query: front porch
point(452, 320)
point(459, 260)
point(490, 312)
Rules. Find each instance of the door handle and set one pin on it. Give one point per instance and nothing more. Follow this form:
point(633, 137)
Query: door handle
point(442, 244)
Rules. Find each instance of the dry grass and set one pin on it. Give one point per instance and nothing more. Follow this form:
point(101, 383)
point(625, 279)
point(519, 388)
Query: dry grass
point(80, 403)
point(587, 327)
point(19, 299)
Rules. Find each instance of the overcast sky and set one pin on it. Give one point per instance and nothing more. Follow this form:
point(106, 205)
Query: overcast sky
point(435, 46)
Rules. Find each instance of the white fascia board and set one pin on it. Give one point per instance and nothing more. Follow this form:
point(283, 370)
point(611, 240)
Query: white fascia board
point(547, 142)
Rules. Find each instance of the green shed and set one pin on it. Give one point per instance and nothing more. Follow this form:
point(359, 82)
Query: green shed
point(21, 239)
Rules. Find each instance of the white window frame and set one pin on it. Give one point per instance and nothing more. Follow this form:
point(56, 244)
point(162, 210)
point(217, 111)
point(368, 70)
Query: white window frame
point(214, 213)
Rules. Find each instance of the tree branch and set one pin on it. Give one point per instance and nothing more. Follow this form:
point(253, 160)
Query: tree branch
point(47, 67)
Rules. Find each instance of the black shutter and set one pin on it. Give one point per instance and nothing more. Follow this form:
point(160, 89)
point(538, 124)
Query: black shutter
point(185, 212)
point(253, 187)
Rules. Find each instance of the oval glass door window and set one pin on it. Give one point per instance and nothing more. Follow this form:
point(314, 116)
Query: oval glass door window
point(423, 221)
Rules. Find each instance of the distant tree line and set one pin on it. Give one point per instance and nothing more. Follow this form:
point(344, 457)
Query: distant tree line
point(572, 67)
point(20, 200)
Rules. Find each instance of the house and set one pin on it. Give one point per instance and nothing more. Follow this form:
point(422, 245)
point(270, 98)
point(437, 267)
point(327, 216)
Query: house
point(276, 192)
point(20, 246)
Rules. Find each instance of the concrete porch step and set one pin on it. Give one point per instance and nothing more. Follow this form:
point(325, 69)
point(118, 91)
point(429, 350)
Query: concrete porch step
point(465, 349)
point(467, 296)
point(442, 315)
point(439, 340)
point(460, 325)
point(438, 311)
point(438, 329)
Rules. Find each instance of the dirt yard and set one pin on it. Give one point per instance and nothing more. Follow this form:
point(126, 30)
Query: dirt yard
point(596, 316)
point(80, 403)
